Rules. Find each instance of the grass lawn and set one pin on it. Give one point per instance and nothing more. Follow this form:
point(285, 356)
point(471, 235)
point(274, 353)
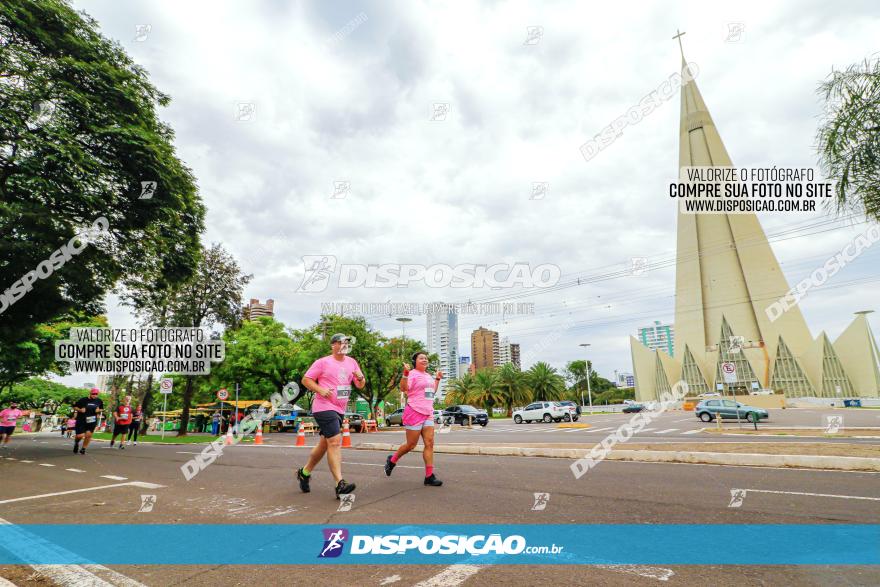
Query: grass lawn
point(170, 436)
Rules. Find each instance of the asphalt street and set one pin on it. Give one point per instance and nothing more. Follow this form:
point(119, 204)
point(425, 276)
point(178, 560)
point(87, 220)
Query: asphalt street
point(43, 482)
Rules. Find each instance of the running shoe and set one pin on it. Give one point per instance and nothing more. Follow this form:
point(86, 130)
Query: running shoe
point(111, 442)
point(121, 447)
point(82, 451)
point(433, 481)
point(343, 488)
point(303, 481)
point(75, 447)
point(389, 466)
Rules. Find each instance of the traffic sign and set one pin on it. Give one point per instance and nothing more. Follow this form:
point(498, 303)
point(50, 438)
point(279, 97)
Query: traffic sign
point(222, 395)
point(166, 385)
point(728, 371)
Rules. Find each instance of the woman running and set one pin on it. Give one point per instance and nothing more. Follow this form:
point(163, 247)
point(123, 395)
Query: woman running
point(418, 416)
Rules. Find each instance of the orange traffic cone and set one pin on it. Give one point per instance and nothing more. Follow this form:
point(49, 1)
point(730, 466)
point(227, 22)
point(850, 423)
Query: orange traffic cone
point(258, 439)
point(228, 440)
point(301, 437)
point(346, 435)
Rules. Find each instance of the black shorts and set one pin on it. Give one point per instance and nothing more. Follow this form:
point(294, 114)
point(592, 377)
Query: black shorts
point(329, 423)
point(120, 429)
point(7, 430)
point(82, 427)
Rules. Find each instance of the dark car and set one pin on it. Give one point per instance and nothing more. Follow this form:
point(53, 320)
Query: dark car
point(577, 408)
point(355, 421)
point(465, 415)
point(708, 410)
point(633, 408)
point(395, 417)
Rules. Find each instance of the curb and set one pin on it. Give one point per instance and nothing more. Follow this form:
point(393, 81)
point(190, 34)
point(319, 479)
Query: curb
point(573, 425)
point(659, 456)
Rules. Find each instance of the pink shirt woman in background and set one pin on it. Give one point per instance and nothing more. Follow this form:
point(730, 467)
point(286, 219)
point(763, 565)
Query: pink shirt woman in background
point(418, 416)
point(8, 418)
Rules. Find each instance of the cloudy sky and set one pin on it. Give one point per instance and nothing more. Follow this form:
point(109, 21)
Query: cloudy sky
point(346, 92)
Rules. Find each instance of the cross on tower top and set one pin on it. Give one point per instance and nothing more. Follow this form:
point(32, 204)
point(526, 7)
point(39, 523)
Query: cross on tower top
point(678, 36)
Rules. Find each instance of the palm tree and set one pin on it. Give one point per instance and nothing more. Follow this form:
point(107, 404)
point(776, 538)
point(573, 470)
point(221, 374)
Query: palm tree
point(848, 140)
point(511, 382)
point(546, 383)
point(486, 391)
point(459, 391)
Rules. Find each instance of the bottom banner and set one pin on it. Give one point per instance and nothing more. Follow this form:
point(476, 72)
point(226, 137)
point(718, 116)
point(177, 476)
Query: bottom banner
point(506, 544)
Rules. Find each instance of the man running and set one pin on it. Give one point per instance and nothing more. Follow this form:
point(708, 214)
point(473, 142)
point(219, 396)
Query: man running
point(8, 417)
point(330, 378)
point(418, 416)
point(135, 425)
point(87, 411)
point(122, 417)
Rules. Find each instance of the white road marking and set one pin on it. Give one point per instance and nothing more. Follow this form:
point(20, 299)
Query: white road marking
point(46, 465)
point(385, 581)
point(26, 544)
point(812, 494)
point(114, 478)
point(451, 576)
point(140, 484)
point(685, 420)
point(667, 431)
point(647, 430)
point(75, 470)
point(26, 461)
point(691, 432)
point(658, 573)
point(603, 429)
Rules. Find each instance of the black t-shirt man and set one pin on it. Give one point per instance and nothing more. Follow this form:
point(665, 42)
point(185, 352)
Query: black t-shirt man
point(88, 418)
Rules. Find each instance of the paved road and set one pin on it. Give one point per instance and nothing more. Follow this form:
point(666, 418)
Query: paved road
point(252, 484)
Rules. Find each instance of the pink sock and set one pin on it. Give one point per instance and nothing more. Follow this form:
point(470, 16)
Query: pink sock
point(429, 470)
point(394, 458)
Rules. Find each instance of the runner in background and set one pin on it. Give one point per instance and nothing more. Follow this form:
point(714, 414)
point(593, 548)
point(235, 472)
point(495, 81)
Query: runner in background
point(8, 418)
point(87, 411)
point(135, 426)
point(418, 416)
point(122, 417)
point(71, 425)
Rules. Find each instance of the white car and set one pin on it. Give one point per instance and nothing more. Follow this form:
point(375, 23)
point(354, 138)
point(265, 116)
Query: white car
point(546, 412)
point(762, 392)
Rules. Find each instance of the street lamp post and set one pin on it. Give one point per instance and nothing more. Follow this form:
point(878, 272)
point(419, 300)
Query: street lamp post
point(403, 321)
point(589, 391)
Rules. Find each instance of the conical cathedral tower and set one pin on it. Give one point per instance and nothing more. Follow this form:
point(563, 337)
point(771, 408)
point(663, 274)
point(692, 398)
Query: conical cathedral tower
point(726, 276)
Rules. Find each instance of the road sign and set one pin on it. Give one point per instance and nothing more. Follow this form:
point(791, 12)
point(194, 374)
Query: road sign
point(166, 385)
point(222, 395)
point(728, 370)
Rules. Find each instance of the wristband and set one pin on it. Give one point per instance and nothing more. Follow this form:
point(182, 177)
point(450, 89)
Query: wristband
point(406, 372)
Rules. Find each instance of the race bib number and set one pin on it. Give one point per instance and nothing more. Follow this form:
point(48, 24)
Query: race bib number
point(429, 394)
point(343, 391)
point(90, 419)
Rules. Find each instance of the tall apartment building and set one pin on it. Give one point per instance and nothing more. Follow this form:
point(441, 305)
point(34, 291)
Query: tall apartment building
point(485, 348)
point(508, 352)
point(256, 310)
point(515, 355)
point(443, 340)
point(658, 337)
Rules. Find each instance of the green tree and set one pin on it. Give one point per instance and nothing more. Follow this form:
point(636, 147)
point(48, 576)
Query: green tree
point(545, 383)
point(848, 140)
point(511, 382)
point(79, 133)
point(41, 395)
point(212, 296)
point(35, 357)
point(486, 391)
point(460, 390)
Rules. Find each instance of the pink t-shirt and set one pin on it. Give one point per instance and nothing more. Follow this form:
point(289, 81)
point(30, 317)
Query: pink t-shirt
point(336, 376)
point(420, 392)
point(71, 423)
point(9, 416)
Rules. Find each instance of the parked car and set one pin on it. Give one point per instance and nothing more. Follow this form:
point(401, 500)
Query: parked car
point(633, 408)
point(762, 392)
point(577, 408)
point(708, 410)
point(395, 417)
point(438, 416)
point(544, 411)
point(355, 421)
point(465, 414)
